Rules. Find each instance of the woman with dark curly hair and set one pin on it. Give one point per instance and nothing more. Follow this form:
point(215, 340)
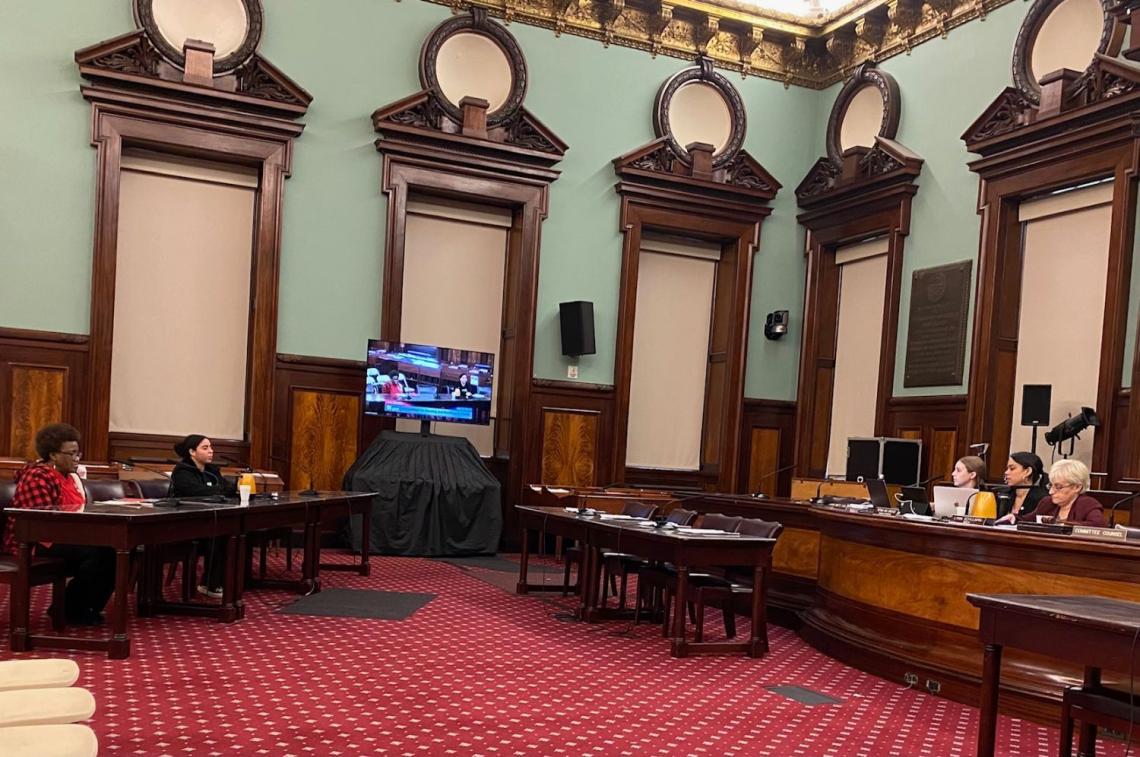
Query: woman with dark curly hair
point(50, 483)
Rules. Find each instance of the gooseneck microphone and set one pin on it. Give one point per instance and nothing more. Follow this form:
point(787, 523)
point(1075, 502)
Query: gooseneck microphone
point(1112, 510)
point(761, 495)
point(135, 462)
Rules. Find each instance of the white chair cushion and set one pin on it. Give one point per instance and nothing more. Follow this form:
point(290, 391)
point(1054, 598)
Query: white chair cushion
point(48, 741)
point(37, 674)
point(45, 706)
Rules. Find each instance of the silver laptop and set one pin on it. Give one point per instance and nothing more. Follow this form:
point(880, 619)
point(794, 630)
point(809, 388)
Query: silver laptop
point(949, 500)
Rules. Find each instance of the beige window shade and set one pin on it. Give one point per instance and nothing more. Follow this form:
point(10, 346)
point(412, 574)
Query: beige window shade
point(455, 260)
point(182, 282)
point(670, 360)
point(1064, 272)
point(862, 289)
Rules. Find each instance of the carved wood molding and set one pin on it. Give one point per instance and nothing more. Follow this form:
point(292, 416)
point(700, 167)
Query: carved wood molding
point(860, 177)
point(1082, 129)
point(865, 75)
point(255, 15)
point(133, 60)
point(1024, 79)
point(754, 42)
point(702, 72)
point(522, 144)
point(476, 22)
point(868, 194)
point(248, 116)
point(727, 204)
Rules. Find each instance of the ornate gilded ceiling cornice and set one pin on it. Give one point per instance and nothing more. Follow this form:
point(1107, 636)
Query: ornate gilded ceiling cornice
point(770, 45)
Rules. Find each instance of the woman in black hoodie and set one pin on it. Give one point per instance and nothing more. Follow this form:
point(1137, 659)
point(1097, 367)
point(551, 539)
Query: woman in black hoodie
point(197, 476)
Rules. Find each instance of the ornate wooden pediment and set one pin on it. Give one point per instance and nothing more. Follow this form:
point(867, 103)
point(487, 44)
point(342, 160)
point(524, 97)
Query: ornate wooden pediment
point(859, 170)
point(420, 120)
point(1011, 110)
point(505, 137)
point(655, 164)
point(132, 60)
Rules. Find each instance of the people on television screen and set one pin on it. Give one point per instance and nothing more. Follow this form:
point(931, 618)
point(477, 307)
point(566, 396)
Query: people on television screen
point(1025, 483)
point(393, 387)
point(464, 391)
point(51, 483)
point(372, 381)
point(1067, 501)
point(197, 476)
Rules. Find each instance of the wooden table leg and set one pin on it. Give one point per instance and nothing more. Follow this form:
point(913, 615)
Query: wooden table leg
point(987, 720)
point(1086, 743)
point(310, 570)
point(239, 575)
point(366, 540)
point(588, 591)
point(680, 612)
point(19, 600)
point(120, 646)
point(524, 560)
point(230, 599)
point(758, 645)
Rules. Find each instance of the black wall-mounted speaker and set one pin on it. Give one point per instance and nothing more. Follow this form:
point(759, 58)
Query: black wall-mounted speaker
point(1035, 401)
point(577, 321)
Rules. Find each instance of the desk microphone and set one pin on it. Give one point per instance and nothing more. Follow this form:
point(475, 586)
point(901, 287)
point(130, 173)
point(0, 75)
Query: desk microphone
point(134, 462)
point(761, 495)
point(827, 478)
point(1112, 510)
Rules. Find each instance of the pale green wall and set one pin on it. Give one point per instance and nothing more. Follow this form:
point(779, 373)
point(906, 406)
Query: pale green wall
point(945, 85)
point(356, 55)
point(599, 100)
point(47, 162)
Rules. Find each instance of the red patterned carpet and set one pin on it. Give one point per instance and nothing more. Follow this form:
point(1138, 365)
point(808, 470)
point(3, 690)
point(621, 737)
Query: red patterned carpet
point(481, 671)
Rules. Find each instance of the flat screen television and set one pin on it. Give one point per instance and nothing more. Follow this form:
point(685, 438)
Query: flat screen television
point(426, 383)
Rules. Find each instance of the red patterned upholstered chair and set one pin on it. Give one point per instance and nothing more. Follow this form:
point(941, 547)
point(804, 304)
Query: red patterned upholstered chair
point(622, 564)
point(737, 590)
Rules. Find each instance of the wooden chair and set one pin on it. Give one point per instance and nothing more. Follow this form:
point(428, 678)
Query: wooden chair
point(1096, 708)
point(738, 588)
point(45, 570)
point(622, 564)
point(658, 583)
point(573, 555)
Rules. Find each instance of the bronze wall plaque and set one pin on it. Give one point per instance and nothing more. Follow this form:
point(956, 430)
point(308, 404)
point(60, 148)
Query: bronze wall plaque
point(936, 336)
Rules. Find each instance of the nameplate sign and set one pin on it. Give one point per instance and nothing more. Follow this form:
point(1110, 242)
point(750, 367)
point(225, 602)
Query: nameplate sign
point(936, 334)
point(1107, 534)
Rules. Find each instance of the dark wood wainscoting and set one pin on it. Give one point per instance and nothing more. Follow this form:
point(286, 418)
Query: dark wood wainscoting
point(317, 422)
point(157, 447)
point(43, 379)
point(571, 438)
point(940, 422)
point(768, 445)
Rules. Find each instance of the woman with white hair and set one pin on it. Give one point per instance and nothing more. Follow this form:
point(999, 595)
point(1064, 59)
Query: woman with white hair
point(1067, 501)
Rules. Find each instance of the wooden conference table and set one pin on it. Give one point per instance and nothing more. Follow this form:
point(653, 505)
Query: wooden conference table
point(1095, 632)
point(125, 527)
point(684, 551)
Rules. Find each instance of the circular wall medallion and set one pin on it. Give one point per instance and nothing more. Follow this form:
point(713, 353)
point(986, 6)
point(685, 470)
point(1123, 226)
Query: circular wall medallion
point(470, 64)
point(474, 56)
point(699, 105)
point(232, 26)
point(1060, 34)
point(698, 113)
point(868, 106)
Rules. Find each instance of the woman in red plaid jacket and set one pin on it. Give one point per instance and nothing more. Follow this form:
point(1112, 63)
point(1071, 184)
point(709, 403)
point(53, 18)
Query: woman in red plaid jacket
point(49, 483)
